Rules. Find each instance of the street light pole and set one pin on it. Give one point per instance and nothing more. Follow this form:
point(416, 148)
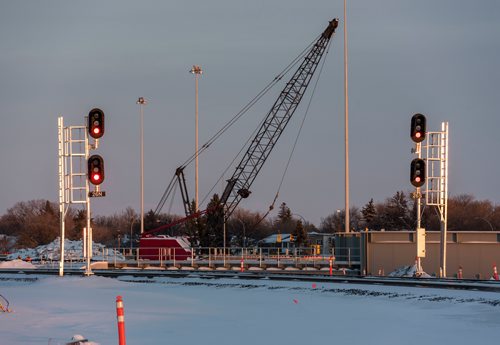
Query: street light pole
point(487, 221)
point(298, 215)
point(224, 233)
point(141, 101)
point(244, 232)
point(346, 129)
point(303, 222)
point(131, 235)
point(196, 70)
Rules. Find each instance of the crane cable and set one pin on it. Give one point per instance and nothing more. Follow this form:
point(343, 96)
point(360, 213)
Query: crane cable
point(242, 112)
point(229, 124)
point(165, 195)
point(252, 135)
point(245, 109)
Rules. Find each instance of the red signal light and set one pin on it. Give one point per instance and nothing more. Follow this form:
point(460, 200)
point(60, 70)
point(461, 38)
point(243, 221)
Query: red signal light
point(96, 123)
point(417, 172)
point(96, 170)
point(417, 129)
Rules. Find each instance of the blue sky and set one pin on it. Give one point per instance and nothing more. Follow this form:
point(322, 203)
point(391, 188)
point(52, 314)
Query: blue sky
point(440, 58)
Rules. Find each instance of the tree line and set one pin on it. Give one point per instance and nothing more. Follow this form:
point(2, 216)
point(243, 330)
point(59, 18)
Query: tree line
point(399, 212)
point(36, 222)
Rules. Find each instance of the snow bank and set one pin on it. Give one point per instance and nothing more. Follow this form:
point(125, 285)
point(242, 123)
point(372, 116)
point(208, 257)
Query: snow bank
point(83, 340)
point(16, 264)
point(408, 271)
point(72, 251)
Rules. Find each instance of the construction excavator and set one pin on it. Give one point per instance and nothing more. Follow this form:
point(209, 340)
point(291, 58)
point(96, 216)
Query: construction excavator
point(238, 186)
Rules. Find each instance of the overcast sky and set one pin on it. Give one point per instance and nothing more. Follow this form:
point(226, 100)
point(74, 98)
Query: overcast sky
point(62, 58)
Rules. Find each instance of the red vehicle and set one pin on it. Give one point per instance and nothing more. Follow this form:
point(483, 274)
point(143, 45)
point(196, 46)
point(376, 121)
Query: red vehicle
point(163, 247)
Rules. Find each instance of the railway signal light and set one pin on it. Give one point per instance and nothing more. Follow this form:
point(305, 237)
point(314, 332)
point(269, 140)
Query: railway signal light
point(417, 130)
point(96, 123)
point(417, 172)
point(96, 169)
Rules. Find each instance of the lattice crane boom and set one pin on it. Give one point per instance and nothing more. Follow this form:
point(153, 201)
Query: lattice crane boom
point(238, 186)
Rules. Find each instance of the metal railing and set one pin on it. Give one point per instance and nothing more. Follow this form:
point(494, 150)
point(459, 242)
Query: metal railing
point(231, 258)
point(213, 257)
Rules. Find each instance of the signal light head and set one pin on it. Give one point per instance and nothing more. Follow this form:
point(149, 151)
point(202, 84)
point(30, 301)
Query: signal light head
point(417, 129)
point(417, 172)
point(96, 170)
point(96, 123)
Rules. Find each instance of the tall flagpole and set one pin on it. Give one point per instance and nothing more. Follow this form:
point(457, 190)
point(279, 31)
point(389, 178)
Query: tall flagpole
point(346, 105)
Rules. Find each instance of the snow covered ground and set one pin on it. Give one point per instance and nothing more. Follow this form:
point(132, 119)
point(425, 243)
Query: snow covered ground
point(50, 310)
point(73, 251)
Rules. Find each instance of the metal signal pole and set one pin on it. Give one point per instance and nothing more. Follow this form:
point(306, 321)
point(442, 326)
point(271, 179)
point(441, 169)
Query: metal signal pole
point(88, 230)
point(62, 190)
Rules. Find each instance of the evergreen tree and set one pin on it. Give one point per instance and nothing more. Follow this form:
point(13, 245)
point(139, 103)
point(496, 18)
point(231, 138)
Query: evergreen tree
point(300, 234)
point(369, 213)
point(150, 221)
point(215, 223)
point(284, 221)
point(284, 214)
point(196, 230)
point(48, 209)
point(397, 215)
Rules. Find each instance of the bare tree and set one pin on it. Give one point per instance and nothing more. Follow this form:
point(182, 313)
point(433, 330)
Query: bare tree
point(34, 222)
point(335, 221)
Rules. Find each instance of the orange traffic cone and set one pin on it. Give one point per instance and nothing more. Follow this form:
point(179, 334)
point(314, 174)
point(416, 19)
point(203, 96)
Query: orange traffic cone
point(120, 318)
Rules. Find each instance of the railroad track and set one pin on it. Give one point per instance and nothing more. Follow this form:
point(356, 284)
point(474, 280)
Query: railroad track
point(308, 276)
